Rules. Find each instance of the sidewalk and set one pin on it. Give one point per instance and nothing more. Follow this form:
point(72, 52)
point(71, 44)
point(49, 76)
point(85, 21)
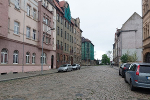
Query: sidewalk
point(21, 75)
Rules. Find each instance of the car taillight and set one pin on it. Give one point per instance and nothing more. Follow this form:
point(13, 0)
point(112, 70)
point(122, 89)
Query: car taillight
point(138, 68)
point(124, 68)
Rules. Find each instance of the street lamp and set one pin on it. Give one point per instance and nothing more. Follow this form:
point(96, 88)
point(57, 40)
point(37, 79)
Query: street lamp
point(42, 50)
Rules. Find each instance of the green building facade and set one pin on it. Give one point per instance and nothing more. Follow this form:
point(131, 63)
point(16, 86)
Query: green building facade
point(87, 49)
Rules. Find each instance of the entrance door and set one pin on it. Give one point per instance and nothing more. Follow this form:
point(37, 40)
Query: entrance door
point(147, 58)
point(52, 61)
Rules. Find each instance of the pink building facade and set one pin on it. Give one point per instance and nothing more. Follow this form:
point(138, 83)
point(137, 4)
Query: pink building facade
point(21, 30)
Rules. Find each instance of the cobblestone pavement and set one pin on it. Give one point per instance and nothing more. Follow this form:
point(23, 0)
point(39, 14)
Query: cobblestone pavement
point(92, 83)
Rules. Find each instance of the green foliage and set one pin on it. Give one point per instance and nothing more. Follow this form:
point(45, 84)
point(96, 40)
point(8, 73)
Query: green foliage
point(105, 59)
point(129, 58)
point(124, 58)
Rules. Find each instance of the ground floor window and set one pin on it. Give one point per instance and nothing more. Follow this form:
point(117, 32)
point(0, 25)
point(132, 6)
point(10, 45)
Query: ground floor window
point(27, 58)
point(15, 57)
point(4, 56)
point(43, 58)
point(33, 58)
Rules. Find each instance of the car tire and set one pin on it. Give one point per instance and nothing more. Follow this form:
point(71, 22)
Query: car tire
point(119, 73)
point(131, 86)
point(125, 80)
point(122, 75)
point(67, 70)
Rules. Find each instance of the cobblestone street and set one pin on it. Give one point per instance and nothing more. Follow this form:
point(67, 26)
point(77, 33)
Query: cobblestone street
point(91, 83)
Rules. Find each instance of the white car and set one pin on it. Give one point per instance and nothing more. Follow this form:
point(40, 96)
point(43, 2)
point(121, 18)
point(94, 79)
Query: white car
point(76, 66)
point(66, 67)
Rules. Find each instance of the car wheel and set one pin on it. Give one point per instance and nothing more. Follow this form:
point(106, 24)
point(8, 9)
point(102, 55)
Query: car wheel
point(122, 75)
point(67, 70)
point(131, 86)
point(125, 79)
point(119, 73)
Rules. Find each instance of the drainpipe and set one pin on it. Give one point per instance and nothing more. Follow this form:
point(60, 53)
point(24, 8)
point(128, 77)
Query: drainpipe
point(23, 39)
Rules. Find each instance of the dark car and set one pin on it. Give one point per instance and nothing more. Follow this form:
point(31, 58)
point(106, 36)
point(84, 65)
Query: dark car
point(138, 75)
point(123, 68)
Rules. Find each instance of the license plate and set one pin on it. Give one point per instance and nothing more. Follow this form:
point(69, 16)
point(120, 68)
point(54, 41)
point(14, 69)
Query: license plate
point(148, 78)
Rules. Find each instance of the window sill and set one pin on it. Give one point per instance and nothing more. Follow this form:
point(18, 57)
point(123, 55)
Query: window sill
point(17, 9)
point(16, 34)
point(29, 16)
point(28, 38)
point(15, 63)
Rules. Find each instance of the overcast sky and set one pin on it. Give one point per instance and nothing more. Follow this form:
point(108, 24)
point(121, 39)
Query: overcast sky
point(100, 18)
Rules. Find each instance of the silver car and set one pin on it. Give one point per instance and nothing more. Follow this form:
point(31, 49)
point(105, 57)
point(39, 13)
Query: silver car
point(76, 66)
point(138, 75)
point(66, 67)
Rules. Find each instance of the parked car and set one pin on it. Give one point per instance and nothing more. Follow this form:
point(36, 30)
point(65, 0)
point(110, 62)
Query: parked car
point(76, 66)
point(66, 67)
point(138, 75)
point(123, 68)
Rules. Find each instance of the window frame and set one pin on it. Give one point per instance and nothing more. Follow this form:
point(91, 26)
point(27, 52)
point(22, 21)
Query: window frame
point(28, 58)
point(15, 57)
point(4, 54)
point(16, 27)
point(28, 32)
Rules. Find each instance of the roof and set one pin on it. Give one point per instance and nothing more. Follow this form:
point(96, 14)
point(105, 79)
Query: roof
point(62, 3)
point(58, 6)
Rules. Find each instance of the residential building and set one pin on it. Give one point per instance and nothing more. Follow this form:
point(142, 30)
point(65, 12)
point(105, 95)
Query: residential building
point(66, 27)
point(146, 32)
point(28, 21)
point(87, 49)
point(128, 39)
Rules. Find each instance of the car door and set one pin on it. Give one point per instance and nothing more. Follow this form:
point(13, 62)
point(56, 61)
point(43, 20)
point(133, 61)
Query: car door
point(130, 74)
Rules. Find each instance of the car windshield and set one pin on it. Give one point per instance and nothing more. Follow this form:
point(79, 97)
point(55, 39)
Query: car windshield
point(144, 69)
point(63, 66)
point(74, 65)
point(127, 65)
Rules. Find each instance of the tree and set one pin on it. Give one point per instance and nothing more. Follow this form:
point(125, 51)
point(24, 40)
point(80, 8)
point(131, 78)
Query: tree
point(105, 59)
point(124, 58)
point(127, 57)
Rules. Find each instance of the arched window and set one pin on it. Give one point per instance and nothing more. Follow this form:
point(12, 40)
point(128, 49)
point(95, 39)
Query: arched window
point(33, 58)
point(15, 57)
point(4, 56)
point(27, 58)
point(44, 58)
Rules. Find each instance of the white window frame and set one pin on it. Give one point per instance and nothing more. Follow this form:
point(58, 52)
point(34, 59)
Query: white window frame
point(44, 58)
point(28, 32)
point(27, 58)
point(16, 27)
point(34, 14)
point(15, 57)
point(33, 58)
point(34, 34)
point(47, 40)
point(17, 4)
point(3, 55)
point(28, 10)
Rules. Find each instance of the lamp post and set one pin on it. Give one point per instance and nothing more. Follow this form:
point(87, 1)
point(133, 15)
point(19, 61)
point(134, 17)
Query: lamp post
point(42, 50)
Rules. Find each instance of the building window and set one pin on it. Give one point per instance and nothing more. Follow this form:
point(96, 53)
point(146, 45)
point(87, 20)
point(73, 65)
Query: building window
point(44, 58)
point(27, 58)
point(33, 58)
point(44, 19)
point(70, 38)
point(34, 14)
point(16, 28)
point(58, 17)
point(34, 34)
point(28, 32)
point(47, 40)
point(65, 34)
point(57, 30)
point(65, 46)
point(28, 10)
point(61, 32)
point(17, 4)
point(61, 46)
point(15, 57)
point(4, 56)
point(57, 44)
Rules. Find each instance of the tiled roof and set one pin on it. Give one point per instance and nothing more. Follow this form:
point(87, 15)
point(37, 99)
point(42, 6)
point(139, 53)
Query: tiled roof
point(61, 3)
point(57, 5)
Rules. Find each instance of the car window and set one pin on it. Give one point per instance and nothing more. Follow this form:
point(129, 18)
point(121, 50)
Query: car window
point(133, 67)
point(127, 65)
point(74, 65)
point(144, 69)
